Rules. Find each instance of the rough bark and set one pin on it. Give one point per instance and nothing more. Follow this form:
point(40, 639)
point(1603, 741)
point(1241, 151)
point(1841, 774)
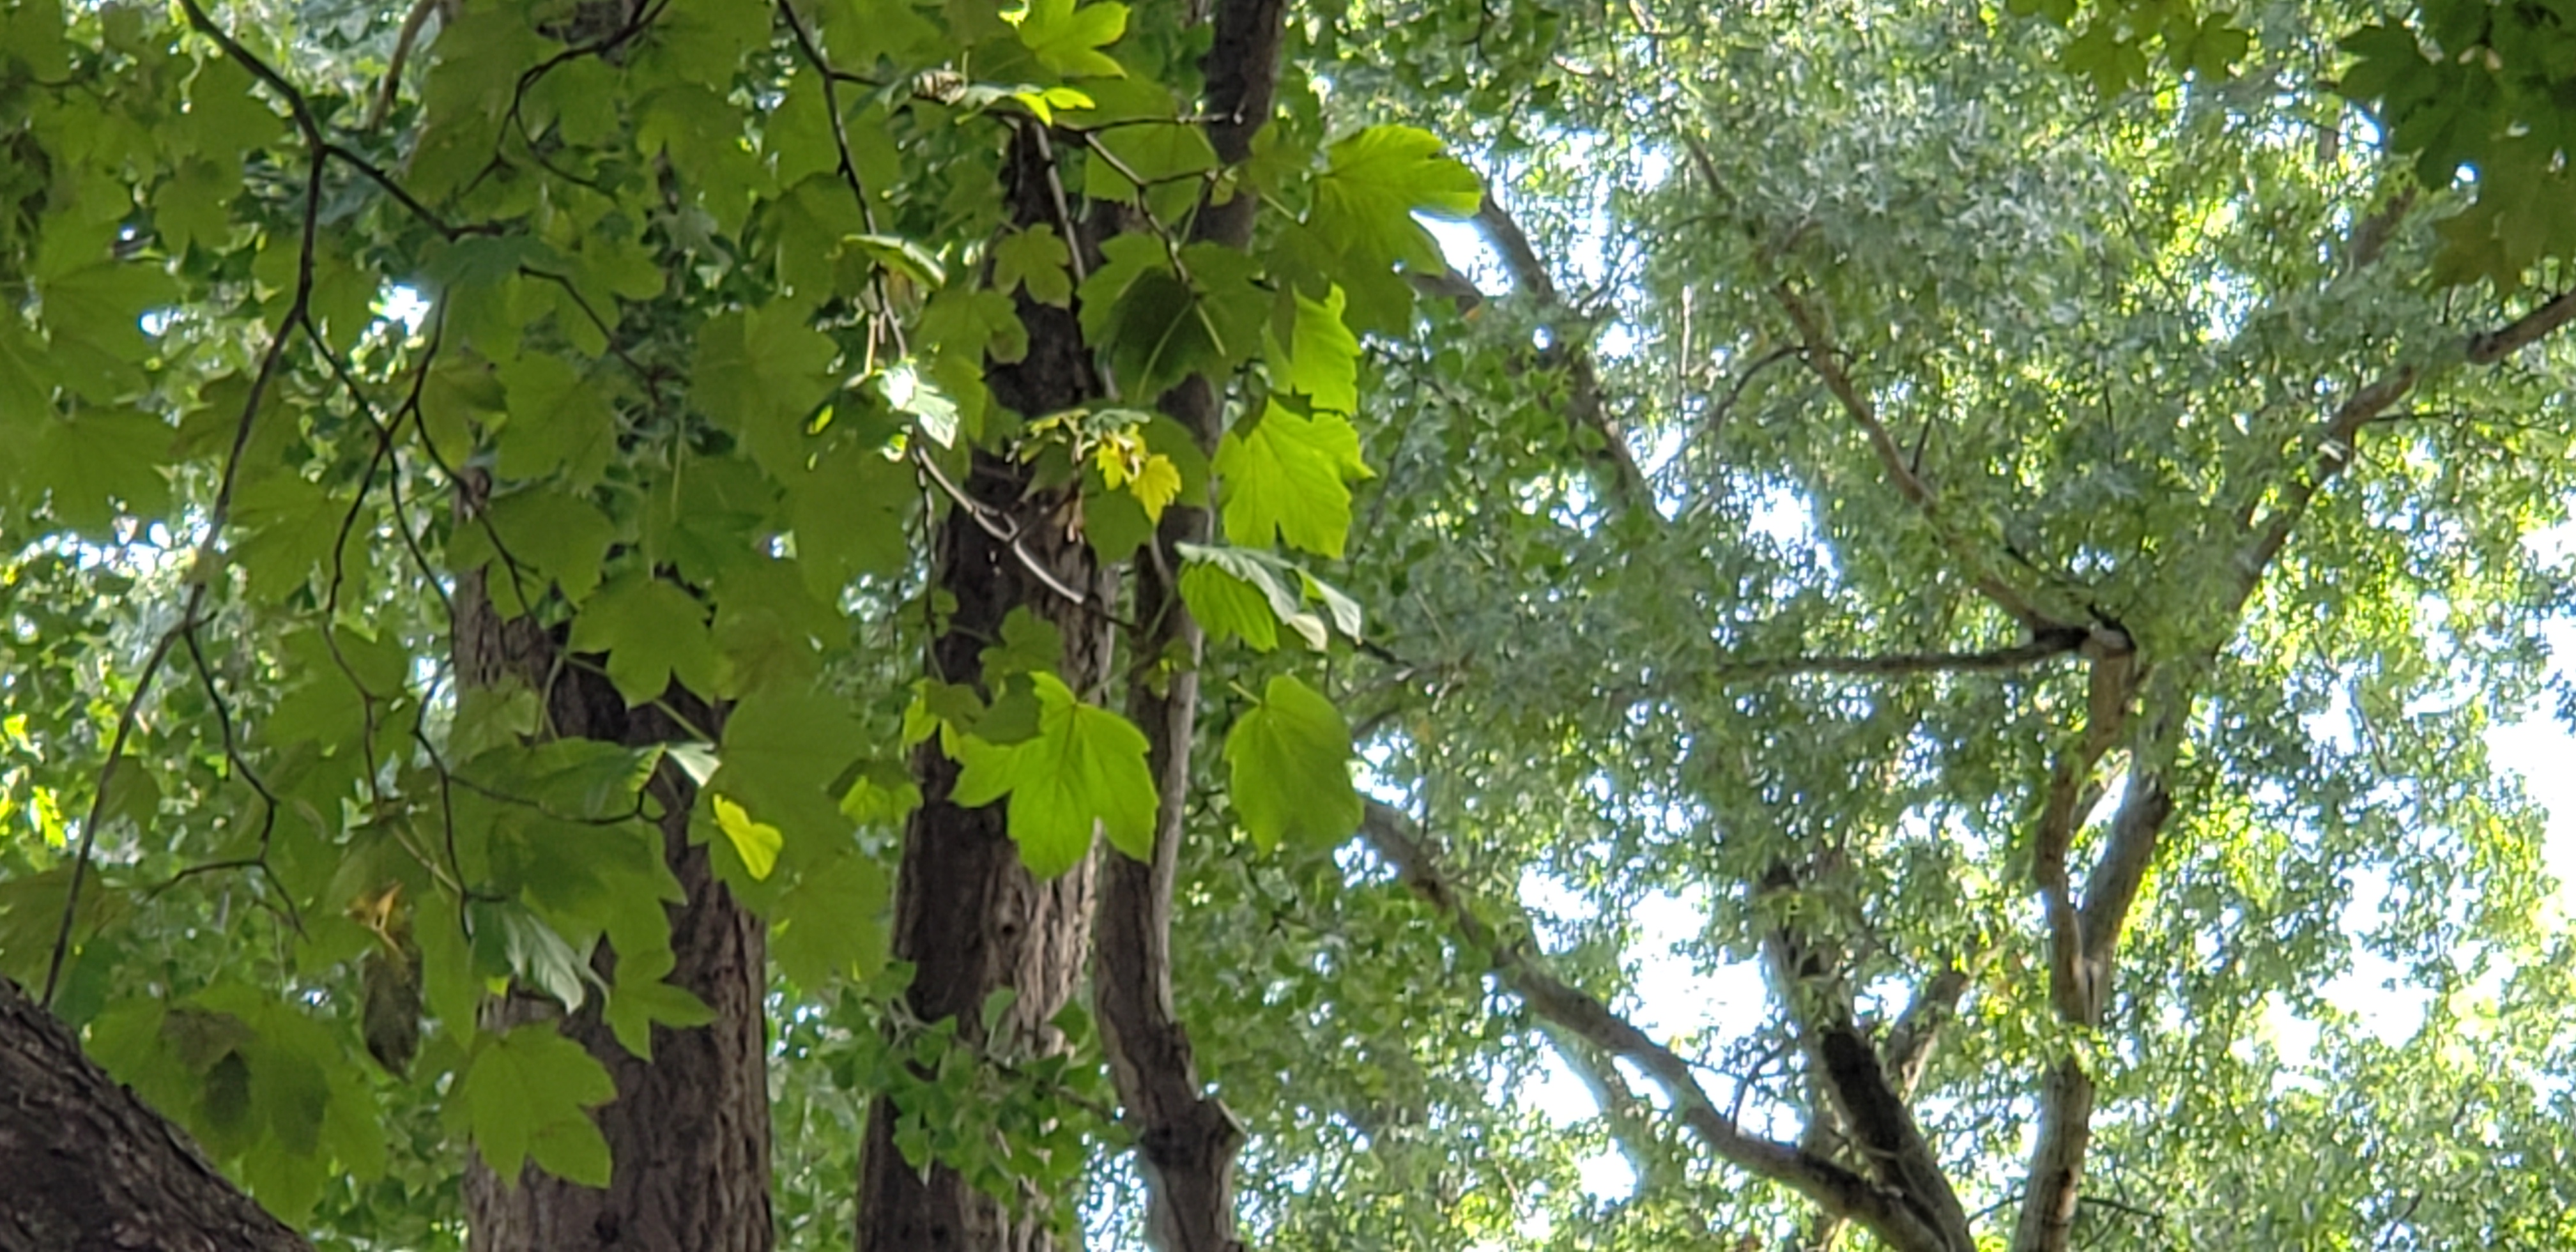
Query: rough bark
point(1186, 1139)
point(969, 916)
point(688, 1134)
point(85, 1166)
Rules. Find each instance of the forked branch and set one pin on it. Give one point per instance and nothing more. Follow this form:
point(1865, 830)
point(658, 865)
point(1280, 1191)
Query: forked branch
point(1838, 1190)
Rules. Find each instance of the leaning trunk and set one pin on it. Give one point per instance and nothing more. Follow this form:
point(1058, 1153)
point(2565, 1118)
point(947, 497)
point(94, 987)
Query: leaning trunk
point(688, 1134)
point(85, 1167)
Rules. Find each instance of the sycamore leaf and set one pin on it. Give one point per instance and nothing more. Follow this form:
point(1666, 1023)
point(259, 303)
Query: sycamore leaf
point(848, 513)
point(558, 420)
point(1227, 605)
point(652, 632)
point(1238, 582)
point(1323, 356)
point(510, 939)
point(531, 538)
point(1084, 767)
point(525, 1093)
point(1285, 475)
point(1159, 328)
point(783, 751)
point(1288, 762)
point(1037, 259)
point(643, 1000)
point(1373, 184)
point(755, 842)
point(1068, 40)
point(831, 924)
point(902, 256)
point(761, 368)
point(98, 460)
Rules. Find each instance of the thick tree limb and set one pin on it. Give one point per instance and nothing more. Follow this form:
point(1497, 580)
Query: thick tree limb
point(86, 1167)
point(1910, 1042)
point(1585, 410)
point(1810, 975)
point(1629, 1116)
point(1838, 1190)
point(2522, 332)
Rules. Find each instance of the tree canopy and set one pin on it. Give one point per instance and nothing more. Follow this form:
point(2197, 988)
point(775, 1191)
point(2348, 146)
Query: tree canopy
point(1240, 624)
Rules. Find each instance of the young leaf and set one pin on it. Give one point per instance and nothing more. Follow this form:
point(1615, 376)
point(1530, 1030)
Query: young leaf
point(1038, 259)
point(642, 1000)
point(756, 843)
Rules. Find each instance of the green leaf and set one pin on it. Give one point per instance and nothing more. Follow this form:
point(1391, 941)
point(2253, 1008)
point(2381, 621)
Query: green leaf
point(1227, 605)
point(293, 525)
point(1084, 767)
point(1068, 40)
point(761, 371)
point(1284, 476)
point(782, 753)
point(530, 539)
point(98, 460)
point(755, 842)
point(831, 924)
point(558, 419)
point(1288, 764)
point(971, 322)
point(1159, 328)
point(510, 939)
point(1283, 587)
point(1376, 180)
point(848, 513)
point(525, 1094)
point(642, 1000)
point(1035, 258)
point(1323, 358)
point(653, 633)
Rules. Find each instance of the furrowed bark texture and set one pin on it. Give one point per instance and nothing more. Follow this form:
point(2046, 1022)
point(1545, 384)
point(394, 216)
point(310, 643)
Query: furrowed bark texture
point(688, 1134)
point(86, 1167)
point(968, 915)
point(1186, 1139)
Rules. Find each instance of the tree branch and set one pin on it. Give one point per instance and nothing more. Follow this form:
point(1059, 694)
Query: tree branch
point(1897, 664)
point(1837, 1189)
point(1573, 351)
point(1810, 975)
point(1910, 1042)
point(1820, 353)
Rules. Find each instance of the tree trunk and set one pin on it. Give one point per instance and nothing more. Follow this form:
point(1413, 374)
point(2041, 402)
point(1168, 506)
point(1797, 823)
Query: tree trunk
point(968, 915)
point(86, 1167)
point(1186, 1139)
point(688, 1134)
